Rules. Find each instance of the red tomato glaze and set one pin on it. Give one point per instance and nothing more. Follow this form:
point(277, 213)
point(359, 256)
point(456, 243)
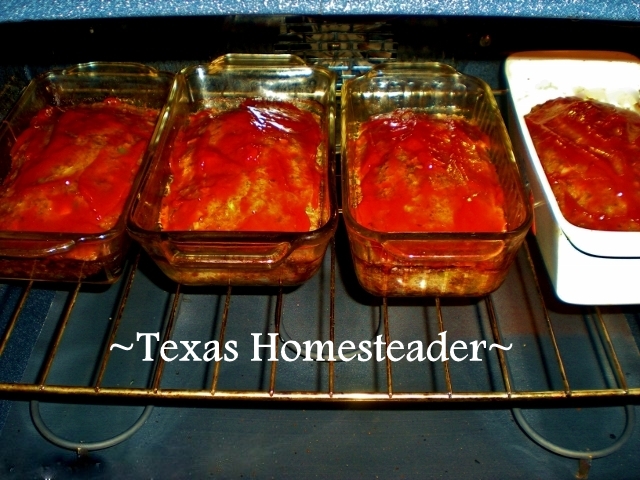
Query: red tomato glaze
point(590, 152)
point(252, 168)
point(73, 167)
point(424, 173)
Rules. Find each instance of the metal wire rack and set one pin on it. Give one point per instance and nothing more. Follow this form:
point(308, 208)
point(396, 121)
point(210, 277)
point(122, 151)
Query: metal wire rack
point(387, 391)
point(576, 357)
point(555, 354)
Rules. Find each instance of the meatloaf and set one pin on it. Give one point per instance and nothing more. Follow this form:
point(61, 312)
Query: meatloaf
point(73, 167)
point(590, 152)
point(419, 172)
point(254, 167)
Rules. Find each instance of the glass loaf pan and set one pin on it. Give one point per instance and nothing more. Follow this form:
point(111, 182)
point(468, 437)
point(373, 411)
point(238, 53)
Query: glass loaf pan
point(436, 264)
point(239, 257)
point(59, 256)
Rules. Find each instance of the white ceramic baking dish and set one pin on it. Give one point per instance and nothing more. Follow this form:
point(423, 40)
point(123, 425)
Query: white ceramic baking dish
point(590, 267)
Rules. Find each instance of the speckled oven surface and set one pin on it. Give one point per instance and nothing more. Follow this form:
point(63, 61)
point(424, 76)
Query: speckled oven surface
point(19, 10)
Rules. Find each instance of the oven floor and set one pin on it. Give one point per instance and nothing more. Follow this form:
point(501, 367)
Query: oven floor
point(309, 443)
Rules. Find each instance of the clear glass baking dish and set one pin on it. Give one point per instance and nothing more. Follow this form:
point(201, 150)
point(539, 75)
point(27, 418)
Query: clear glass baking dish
point(426, 263)
point(59, 256)
point(265, 258)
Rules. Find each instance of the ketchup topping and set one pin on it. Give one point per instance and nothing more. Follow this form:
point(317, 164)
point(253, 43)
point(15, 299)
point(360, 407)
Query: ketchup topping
point(418, 172)
point(253, 168)
point(73, 167)
point(590, 152)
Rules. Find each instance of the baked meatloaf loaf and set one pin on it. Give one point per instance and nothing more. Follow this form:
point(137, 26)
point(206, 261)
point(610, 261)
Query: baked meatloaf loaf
point(72, 169)
point(418, 172)
point(590, 152)
point(255, 167)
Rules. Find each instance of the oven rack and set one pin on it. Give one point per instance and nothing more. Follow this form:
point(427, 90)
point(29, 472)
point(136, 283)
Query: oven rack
point(94, 378)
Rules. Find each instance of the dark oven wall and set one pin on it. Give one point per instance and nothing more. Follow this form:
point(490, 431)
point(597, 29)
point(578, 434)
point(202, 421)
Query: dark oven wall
point(171, 43)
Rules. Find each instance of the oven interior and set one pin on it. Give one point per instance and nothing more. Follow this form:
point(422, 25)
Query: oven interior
point(572, 373)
